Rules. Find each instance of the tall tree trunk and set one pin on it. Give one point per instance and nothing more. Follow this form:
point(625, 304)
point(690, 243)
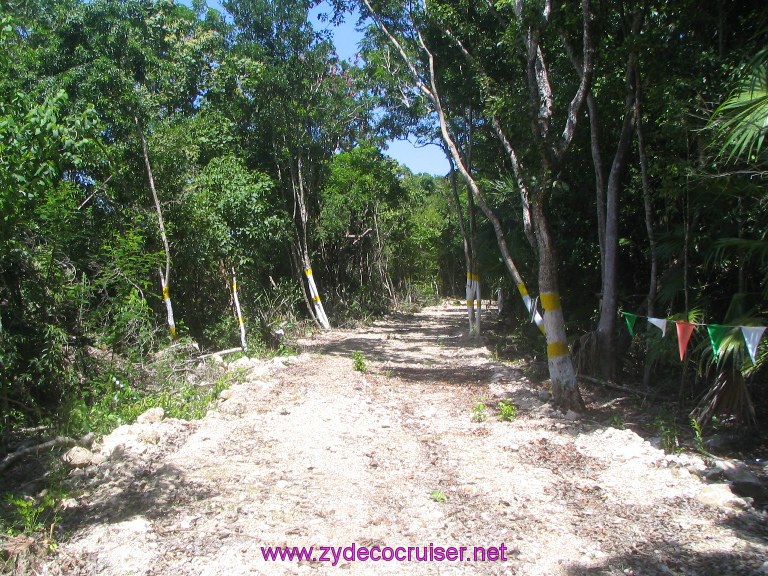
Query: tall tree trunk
point(606, 327)
point(473, 273)
point(469, 242)
point(165, 281)
point(648, 206)
point(597, 161)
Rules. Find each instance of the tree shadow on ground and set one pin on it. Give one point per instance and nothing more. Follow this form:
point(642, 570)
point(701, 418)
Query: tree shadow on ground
point(675, 554)
point(670, 558)
point(135, 488)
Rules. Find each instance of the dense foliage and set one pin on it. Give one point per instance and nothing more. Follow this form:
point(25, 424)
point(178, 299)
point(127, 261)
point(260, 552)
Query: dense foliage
point(264, 150)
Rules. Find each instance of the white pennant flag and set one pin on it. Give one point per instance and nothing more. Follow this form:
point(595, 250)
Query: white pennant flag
point(528, 302)
point(752, 335)
point(660, 323)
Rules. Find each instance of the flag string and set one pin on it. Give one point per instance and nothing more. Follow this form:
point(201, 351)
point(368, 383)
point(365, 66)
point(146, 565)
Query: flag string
point(717, 333)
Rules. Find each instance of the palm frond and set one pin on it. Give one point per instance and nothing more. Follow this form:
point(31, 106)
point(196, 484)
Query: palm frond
point(741, 121)
point(729, 396)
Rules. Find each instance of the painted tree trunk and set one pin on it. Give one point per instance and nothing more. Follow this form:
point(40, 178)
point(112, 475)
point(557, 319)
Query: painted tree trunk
point(565, 388)
point(315, 296)
point(239, 313)
point(168, 305)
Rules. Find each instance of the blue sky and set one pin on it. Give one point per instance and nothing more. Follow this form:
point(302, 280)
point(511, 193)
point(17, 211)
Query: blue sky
point(429, 159)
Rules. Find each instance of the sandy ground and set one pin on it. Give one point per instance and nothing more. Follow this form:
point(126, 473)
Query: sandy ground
point(310, 452)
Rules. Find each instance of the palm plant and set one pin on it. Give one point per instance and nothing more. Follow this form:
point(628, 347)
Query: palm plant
point(729, 394)
point(740, 125)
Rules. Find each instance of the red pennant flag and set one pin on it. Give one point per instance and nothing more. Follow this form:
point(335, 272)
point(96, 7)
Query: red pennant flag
point(684, 331)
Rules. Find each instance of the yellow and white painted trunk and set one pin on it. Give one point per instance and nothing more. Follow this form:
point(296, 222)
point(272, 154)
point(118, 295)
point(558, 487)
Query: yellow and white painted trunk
point(561, 369)
point(239, 313)
point(317, 303)
point(168, 307)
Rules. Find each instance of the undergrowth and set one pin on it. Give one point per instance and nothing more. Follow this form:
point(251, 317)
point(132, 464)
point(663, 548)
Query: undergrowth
point(118, 394)
point(122, 393)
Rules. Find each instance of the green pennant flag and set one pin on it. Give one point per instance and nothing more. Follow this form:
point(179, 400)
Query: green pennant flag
point(717, 334)
point(630, 318)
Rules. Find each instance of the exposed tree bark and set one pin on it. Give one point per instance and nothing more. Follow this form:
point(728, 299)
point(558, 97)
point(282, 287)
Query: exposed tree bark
point(565, 388)
point(165, 281)
point(607, 200)
point(298, 270)
point(381, 259)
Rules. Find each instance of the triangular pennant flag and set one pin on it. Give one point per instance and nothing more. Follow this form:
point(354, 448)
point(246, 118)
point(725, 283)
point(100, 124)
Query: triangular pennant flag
point(717, 334)
point(752, 335)
point(630, 318)
point(660, 323)
point(684, 331)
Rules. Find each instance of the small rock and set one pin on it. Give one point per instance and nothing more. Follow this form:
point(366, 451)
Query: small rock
point(572, 416)
point(98, 459)
point(226, 394)
point(243, 362)
point(764, 568)
point(78, 457)
point(151, 416)
point(743, 482)
point(544, 395)
point(719, 495)
point(149, 435)
point(721, 442)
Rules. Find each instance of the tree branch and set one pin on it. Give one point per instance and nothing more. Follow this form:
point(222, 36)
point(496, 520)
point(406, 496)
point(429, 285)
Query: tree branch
point(587, 69)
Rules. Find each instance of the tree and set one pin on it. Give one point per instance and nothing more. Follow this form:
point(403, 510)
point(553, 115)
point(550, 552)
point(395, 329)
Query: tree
point(496, 25)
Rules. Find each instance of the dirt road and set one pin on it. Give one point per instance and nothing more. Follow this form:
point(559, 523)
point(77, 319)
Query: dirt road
point(314, 453)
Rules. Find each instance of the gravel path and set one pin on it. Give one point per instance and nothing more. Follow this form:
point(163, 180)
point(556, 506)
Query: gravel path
point(310, 452)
